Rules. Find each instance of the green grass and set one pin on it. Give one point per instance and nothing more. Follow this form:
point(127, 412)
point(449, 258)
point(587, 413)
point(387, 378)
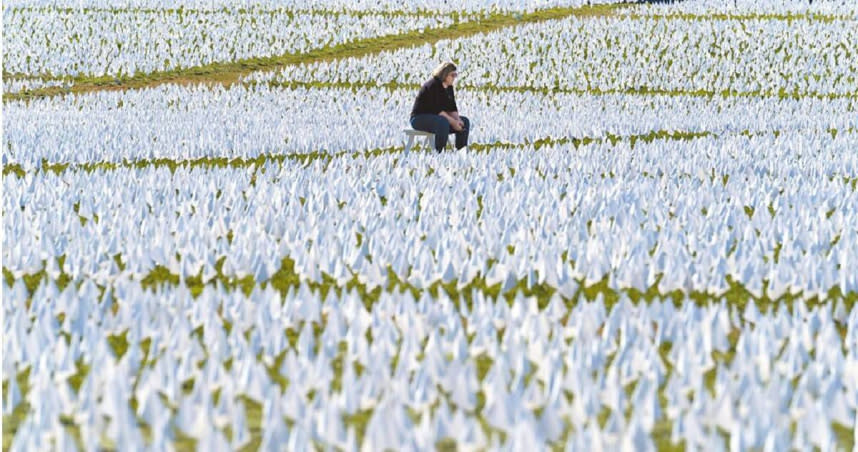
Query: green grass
point(12, 421)
point(290, 12)
point(287, 278)
point(229, 72)
point(17, 170)
point(309, 157)
point(788, 17)
point(782, 93)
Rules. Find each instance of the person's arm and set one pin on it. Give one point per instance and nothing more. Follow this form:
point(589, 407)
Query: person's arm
point(453, 118)
point(453, 110)
point(439, 97)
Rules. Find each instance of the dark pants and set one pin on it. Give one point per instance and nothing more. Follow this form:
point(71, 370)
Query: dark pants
point(441, 128)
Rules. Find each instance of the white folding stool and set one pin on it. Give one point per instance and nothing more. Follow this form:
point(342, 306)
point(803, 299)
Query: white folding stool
point(411, 133)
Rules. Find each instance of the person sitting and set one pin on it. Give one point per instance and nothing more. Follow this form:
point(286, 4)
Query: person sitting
point(435, 109)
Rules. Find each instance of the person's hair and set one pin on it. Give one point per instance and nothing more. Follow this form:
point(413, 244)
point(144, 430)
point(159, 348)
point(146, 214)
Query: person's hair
point(444, 69)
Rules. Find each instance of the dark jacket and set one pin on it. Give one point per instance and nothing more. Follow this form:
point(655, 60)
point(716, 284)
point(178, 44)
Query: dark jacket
point(433, 98)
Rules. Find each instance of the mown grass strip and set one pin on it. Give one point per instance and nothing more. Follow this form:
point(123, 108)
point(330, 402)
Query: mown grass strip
point(15, 169)
point(782, 93)
point(227, 73)
point(457, 17)
point(287, 278)
point(309, 157)
point(259, 11)
point(788, 17)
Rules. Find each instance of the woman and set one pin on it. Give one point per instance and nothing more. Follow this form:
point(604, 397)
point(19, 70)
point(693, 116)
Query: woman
point(435, 108)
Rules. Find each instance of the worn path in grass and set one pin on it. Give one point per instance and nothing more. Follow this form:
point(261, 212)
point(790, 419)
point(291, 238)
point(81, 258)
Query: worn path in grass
point(227, 73)
point(308, 157)
point(641, 90)
point(15, 169)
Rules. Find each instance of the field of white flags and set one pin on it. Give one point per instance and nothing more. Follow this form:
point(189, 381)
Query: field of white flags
point(214, 239)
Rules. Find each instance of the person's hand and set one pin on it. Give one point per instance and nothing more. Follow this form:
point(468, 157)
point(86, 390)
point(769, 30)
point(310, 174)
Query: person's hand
point(458, 125)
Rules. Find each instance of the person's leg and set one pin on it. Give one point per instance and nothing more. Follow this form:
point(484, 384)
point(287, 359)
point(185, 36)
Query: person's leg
point(462, 137)
point(442, 132)
point(434, 124)
point(425, 123)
